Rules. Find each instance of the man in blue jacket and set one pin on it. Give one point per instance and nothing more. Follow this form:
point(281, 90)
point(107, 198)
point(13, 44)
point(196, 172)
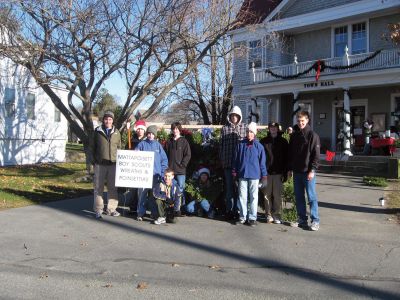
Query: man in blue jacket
point(249, 165)
point(160, 164)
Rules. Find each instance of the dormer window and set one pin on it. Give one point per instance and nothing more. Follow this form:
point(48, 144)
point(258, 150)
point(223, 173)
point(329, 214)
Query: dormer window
point(255, 54)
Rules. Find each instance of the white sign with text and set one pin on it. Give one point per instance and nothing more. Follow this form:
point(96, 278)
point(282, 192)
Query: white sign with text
point(134, 169)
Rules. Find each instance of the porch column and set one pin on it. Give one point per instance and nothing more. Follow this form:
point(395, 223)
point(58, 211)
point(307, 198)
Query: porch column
point(346, 123)
point(296, 107)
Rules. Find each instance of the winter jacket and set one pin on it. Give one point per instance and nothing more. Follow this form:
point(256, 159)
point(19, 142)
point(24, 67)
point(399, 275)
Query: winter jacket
point(249, 160)
point(304, 147)
point(231, 135)
point(276, 150)
point(178, 153)
point(160, 192)
point(105, 147)
point(160, 158)
point(209, 191)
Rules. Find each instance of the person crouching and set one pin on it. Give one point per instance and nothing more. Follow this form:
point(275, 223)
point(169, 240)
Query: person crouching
point(166, 194)
point(205, 196)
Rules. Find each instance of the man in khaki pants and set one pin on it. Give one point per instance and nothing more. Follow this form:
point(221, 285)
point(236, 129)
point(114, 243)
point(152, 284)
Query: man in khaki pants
point(107, 139)
point(276, 148)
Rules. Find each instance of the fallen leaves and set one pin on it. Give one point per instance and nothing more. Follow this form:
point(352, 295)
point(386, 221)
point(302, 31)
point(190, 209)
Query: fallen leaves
point(142, 286)
point(214, 267)
point(108, 285)
point(43, 276)
point(175, 265)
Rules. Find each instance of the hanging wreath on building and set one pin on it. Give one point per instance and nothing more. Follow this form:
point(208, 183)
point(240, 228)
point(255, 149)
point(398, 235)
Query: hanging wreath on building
point(319, 66)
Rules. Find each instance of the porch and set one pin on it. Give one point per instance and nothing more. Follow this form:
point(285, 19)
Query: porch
point(361, 62)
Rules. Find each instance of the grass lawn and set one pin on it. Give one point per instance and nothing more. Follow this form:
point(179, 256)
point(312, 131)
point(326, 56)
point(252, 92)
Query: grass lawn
point(33, 184)
point(74, 147)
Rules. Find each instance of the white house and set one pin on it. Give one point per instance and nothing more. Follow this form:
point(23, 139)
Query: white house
point(32, 129)
point(286, 43)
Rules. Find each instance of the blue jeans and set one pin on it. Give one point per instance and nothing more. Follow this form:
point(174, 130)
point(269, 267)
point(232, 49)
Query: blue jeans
point(203, 204)
point(301, 184)
point(230, 198)
point(180, 179)
point(248, 193)
point(144, 199)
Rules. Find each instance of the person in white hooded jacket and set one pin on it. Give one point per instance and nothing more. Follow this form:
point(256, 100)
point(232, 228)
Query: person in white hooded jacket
point(232, 133)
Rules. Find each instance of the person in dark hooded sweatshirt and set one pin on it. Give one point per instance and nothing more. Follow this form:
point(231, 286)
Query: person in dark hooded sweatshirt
point(179, 154)
point(231, 134)
point(276, 148)
point(304, 150)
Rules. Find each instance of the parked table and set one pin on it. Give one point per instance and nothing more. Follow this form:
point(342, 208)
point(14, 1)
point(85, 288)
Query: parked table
point(385, 145)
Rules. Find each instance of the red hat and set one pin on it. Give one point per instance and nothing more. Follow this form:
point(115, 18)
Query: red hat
point(140, 124)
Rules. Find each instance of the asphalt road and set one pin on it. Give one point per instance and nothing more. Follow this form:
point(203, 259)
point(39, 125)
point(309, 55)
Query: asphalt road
point(59, 251)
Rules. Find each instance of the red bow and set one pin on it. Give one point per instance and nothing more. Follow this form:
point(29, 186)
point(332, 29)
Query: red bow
point(318, 70)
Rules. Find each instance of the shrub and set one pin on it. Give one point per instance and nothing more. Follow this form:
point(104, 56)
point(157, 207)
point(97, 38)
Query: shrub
point(375, 181)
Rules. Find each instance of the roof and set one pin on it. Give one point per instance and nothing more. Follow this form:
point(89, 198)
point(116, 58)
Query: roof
point(255, 11)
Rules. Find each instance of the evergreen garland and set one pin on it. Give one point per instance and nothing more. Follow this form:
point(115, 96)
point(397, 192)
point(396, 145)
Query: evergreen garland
point(320, 65)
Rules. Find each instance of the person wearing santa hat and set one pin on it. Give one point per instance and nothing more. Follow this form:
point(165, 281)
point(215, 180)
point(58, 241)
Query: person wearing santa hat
point(140, 130)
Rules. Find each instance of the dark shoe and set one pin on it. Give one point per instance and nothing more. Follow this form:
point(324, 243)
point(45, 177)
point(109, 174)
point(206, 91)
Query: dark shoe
point(229, 216)
point(177, 213)
point(252, 223)
point(171, 220)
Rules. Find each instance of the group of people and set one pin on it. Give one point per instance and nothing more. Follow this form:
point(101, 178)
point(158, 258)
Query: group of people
point(249, 165)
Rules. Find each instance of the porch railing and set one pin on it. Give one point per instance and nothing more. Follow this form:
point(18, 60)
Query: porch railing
point(385, 59)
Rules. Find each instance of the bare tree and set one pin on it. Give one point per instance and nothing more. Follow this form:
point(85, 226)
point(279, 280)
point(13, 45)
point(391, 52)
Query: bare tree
point(208, 88)
point(80, 44)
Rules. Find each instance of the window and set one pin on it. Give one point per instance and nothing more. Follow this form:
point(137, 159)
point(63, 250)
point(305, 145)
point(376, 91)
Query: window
point(255, 54)
point(30, 106)
point(358, 38)
point(340, 40)
point(354, 36)
point(9, 102)
point(57, 115)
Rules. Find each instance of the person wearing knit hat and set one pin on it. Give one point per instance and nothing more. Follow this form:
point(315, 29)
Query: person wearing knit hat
point(252, 127)
point(159, 166)
point(203, 195)
point(276, 148)
point(108, 114)
point(151, 129)
point(231, 134)
point(107, 140)
point(204, 171)
point(249, 166)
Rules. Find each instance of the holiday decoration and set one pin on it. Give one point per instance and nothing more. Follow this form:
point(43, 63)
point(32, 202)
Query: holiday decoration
point(320, 65)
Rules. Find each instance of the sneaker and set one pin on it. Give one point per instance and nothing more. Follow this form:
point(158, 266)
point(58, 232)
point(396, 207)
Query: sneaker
point(277, 221)
point(252, 223)
point(241, 221)
point(314, 226)
point(99, 215)
point(200, 212)
point(114, 214)
point(139, 219)
point(160, 221)
point(299, 223)
point(270, 219)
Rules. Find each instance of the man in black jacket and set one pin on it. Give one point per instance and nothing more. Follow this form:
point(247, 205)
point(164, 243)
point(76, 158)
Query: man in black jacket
point(179, 154)
point(276, 148)
point(304, 147)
